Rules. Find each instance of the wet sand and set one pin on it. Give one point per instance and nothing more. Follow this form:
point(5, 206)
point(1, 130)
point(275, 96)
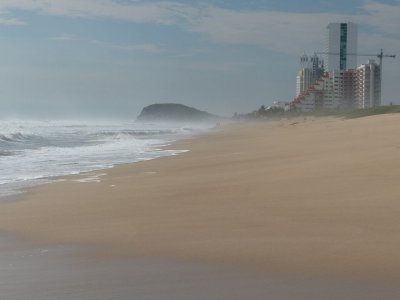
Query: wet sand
point(62, 272)
point(313, 201)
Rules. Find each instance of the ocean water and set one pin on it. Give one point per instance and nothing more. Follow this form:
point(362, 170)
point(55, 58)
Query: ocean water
point(35, 152)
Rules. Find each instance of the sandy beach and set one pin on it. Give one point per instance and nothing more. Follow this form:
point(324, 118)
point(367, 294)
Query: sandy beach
point(313, 197)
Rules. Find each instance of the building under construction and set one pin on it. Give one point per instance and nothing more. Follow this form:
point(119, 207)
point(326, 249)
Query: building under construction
point(342, 89)
point(342, 85)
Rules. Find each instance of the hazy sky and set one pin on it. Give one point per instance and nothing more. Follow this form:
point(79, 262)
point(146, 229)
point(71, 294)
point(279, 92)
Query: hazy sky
point(72, 58)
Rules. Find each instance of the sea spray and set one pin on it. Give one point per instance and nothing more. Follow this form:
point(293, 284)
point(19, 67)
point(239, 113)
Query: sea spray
point(34, 152)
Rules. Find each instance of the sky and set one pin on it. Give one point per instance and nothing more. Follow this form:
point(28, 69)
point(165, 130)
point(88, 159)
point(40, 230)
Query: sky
point(110, 58)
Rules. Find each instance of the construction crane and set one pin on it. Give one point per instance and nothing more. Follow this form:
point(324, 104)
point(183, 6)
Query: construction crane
point(380, 55)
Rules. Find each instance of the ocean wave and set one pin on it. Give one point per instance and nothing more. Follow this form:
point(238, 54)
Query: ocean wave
point(6, 153)
point(136, 132)
point(31, 151)
point(19, 137)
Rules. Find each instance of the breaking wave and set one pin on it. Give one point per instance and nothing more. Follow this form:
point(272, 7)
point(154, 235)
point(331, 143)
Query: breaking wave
point(32, 151)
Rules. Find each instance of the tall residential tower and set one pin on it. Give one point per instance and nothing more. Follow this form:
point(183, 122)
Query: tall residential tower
point(369, 85)
point(311, 69)
point(341, 47)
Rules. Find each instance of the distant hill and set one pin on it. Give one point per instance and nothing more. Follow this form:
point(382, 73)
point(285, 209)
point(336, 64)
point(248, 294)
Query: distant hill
point(173, 112)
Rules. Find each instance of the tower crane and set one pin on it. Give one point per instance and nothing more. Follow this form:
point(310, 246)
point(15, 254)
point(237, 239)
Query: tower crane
point(380, 55)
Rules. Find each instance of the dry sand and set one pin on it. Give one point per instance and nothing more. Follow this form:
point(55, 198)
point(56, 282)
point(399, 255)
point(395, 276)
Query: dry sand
point(316, 197)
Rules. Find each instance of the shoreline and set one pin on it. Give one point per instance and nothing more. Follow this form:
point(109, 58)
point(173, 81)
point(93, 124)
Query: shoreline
point(89, 148)
point(95, 174)
point(284, 197)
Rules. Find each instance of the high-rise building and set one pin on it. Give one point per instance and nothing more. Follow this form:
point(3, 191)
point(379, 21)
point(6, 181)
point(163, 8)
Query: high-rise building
point(334, 90)
point(311, 69)
point(360, 88)
point(369, 85)
point(341, 47)
point(303, 80)
point(343, 85)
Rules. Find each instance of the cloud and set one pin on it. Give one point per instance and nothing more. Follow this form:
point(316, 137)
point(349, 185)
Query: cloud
point(149, 48)
point(383, 17)
point(163, 12)
point(292, 33)
point(145, 47)
point(65, 37)
point(11, 21)
point(280, 31)
point(222, 66)
point(7, 20)
point(139, 47)
point(373, 42)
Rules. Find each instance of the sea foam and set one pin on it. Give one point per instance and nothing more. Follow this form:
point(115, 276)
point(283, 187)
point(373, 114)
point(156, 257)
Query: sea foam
point(36, 152)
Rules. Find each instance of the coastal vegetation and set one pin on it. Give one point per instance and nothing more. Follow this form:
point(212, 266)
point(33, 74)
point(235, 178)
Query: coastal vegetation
point(173, 112)
point(379, 110)
point(269, 113)
point(262, 113)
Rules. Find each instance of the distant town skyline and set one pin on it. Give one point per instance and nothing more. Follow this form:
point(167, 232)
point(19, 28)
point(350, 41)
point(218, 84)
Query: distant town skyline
point(109, 58)
point(338, 83)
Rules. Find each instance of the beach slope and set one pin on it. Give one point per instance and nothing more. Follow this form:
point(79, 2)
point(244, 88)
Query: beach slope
point(316, 196)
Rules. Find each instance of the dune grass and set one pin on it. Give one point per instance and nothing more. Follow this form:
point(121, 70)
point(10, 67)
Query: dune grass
point(379, 110)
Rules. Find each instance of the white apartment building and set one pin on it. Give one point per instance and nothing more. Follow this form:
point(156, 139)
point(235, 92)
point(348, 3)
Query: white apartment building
point(311, 69)
point(343, 85)
point(334, 90)
point(317, 96)
point(369, 85)
point(303, 80)
point(359, 88)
